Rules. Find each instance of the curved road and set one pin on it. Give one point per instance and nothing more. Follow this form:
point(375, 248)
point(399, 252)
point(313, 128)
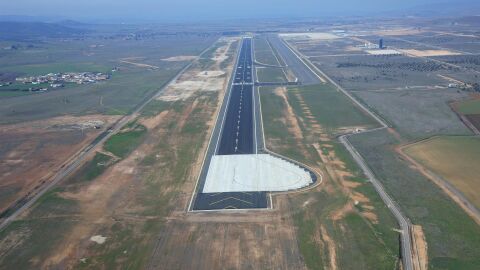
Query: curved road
point(403, 221)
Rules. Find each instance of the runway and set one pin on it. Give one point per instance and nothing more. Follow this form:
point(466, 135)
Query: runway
point(235, 134)
point(237, 173)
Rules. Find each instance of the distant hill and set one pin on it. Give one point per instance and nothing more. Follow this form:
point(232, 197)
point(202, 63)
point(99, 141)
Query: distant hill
point(36, 30)
point(469, 20)
point(74, 24)
point(26, 18)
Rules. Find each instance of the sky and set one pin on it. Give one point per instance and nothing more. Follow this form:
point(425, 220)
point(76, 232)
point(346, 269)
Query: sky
point(191, 10)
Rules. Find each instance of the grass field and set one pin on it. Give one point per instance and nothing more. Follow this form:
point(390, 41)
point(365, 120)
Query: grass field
point(417, 114)
point(9, 94)
point(359, 243)
point(93, 168)
point(119, 95)
point(455, 159)
point(332, 109)
point(270, 75)
point(263, 52)
point(124, 142)
point(453, 237)
point(272, 111)
point(469, 107)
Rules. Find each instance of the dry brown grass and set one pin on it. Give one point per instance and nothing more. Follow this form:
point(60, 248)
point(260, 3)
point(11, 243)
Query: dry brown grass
point(453, 158)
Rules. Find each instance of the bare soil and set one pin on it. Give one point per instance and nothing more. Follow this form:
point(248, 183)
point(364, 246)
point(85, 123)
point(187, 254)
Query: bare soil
point(291, 120)
point(137, 64)
point(428, 53)
point(198, 78)
point(398, 32)
point(229, 241)
point(31, 152)
point(331, 248)
point(420, 248)
point(180, 58)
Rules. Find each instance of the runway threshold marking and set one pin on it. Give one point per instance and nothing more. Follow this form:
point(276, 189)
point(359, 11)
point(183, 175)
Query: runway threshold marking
point(233, 198)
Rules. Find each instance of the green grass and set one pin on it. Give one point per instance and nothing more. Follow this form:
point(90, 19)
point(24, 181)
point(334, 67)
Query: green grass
point(330, 108)
point(446, 263)
point(342, 153)
point(37, 237)
point(122, 247)
point(59, 67)
point(155, 107)
point(360, 244)
point(274, 127)
point(37, 234)
point(367, 249)
point(469, 107)
point(124, 142)
point(8, 94)
point(268, 74)
point(53, 202)
point(310, 250)
point(263, 52)
point(93, 168)
point(119, 95)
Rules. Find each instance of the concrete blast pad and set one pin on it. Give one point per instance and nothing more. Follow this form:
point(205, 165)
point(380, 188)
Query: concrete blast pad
point(260, 172)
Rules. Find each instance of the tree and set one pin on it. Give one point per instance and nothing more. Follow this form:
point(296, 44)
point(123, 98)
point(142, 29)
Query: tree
point(476, 87)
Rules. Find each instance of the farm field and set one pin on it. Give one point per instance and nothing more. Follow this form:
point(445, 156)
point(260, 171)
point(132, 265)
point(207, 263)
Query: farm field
point(453, 158)
point(417, 113)
point(449, 231)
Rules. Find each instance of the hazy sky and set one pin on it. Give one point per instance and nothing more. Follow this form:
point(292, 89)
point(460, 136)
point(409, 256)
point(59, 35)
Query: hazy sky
point(166, 10)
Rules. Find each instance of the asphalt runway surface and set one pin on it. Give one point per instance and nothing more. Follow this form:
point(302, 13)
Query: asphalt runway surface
point(303, 73)
point(236, 133)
